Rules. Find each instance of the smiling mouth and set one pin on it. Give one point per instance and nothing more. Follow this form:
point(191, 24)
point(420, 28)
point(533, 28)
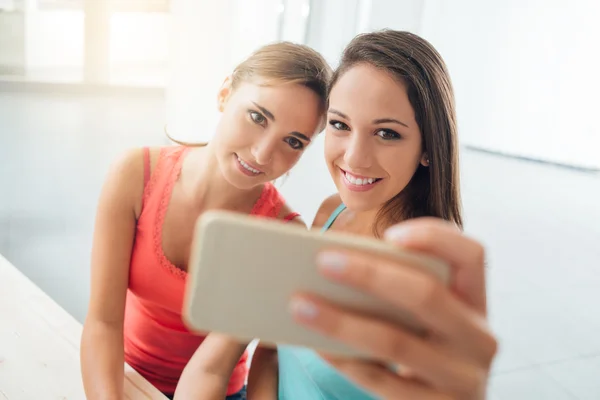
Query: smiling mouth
point(359, 180)
point(247, 166)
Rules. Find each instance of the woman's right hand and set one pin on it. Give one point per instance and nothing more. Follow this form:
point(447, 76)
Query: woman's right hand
point(453, 360)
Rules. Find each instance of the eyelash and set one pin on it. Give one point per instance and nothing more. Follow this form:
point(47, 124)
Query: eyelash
point(294, 143)
point(395, 135)
point(291, 139)
point(334, 122)
point(254, 114)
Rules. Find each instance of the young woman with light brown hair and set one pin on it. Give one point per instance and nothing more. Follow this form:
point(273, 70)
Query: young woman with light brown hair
point(272, 105)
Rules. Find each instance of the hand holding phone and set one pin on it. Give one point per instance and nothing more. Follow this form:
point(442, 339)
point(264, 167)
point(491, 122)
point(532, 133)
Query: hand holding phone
point(243, 271)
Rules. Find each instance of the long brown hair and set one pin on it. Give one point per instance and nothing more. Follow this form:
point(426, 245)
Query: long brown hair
point(433, 190)
point(282, 63)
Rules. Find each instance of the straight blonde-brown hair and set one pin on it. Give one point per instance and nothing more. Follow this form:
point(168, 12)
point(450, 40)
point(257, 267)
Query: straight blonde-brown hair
point(281, 63)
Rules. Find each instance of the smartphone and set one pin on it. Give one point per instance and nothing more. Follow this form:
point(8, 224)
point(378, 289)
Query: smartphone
point(244, 269)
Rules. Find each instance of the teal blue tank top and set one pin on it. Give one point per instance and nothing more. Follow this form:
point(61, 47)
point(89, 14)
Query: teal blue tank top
point(305, 375)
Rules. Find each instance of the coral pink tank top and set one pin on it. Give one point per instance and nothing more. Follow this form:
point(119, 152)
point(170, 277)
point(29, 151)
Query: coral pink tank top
point(157, 344)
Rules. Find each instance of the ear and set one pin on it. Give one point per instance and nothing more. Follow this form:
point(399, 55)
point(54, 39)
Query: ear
point(224, 94)
point(425, 159)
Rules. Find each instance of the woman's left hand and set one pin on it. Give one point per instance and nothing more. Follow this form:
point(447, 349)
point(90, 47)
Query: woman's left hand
point(453, 360)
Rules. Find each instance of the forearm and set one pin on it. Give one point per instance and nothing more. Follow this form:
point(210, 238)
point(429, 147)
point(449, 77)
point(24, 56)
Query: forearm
point(102, 362)
point(207, 374)
point(263, 380)
point(203, 385)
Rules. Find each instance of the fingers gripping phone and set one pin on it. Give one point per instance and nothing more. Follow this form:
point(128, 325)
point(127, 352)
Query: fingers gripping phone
point(243, 271)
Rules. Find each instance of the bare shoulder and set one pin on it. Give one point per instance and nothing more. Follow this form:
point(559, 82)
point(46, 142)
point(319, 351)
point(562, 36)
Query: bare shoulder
point(127, 174)
point(286, 211)
point(327, 207)
point(126, 169)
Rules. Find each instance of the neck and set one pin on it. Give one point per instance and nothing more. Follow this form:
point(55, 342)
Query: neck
point(207, 186)
point(361, 222)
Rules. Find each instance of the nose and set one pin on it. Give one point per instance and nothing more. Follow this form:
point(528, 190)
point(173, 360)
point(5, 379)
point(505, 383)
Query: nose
point(263, 151)
point(358, 155)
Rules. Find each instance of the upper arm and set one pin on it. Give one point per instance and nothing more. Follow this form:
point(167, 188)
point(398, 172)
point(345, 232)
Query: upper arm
point(327, 207)
point(286, 211)
point(114, 233)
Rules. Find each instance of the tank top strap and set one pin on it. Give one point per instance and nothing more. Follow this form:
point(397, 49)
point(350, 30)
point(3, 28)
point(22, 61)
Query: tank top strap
point(164, 175)
point(333, 217)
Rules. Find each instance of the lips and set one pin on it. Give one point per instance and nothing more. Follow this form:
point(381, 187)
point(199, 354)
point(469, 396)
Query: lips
point(358, 183)
point(359, 180)
point(247, 167)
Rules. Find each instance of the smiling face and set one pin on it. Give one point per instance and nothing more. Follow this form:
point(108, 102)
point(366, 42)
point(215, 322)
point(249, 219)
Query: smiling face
point(373, 144)
point(264, 130)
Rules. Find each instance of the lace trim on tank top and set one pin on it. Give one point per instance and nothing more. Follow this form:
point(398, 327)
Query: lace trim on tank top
point(165, 197)
point(260, 203)
point(267, 196)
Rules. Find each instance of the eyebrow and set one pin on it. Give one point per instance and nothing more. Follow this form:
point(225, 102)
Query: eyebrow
point(376, 121)
point(300, 136)
point(270, 115)
point(388, 120)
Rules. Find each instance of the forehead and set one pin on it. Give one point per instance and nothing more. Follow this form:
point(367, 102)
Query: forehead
point(367, 90)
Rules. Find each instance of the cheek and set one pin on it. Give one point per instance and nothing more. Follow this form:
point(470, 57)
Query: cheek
point(400, 165)
point(333, 149)
point(238, 130)
point(285, 162)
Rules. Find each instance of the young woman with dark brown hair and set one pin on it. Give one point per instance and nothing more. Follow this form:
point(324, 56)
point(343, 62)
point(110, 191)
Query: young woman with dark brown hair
point(391, 148)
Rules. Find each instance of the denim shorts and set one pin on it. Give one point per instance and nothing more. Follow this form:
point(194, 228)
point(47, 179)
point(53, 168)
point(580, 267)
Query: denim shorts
point(241, 395)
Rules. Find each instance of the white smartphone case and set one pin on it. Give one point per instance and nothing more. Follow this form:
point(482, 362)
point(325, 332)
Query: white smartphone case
point(243, 271)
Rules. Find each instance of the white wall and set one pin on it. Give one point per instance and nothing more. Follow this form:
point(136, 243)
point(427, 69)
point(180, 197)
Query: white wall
point(400, 15)
point(12, 41)
point(332, 24)
point(7, 5)
point(54, 39)
point(525, 74)
point(294, 21)
point(34, 39)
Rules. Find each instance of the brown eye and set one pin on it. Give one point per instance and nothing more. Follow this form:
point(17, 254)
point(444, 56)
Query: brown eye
point(388, 134)
point(258, 118)
point(294, 143)
point(340, 126)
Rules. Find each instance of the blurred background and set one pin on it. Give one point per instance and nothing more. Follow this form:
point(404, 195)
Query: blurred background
point(83, 80)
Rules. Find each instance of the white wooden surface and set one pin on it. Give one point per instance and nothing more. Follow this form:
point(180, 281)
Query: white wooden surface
point(39, 346)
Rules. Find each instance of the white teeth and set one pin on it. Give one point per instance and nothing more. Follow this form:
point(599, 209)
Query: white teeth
point(246, 166)
point(359, 181)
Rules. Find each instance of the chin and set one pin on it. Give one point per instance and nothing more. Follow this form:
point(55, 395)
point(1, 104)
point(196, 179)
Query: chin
point(236, 179)
point(358, 205)
point(358, 202)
